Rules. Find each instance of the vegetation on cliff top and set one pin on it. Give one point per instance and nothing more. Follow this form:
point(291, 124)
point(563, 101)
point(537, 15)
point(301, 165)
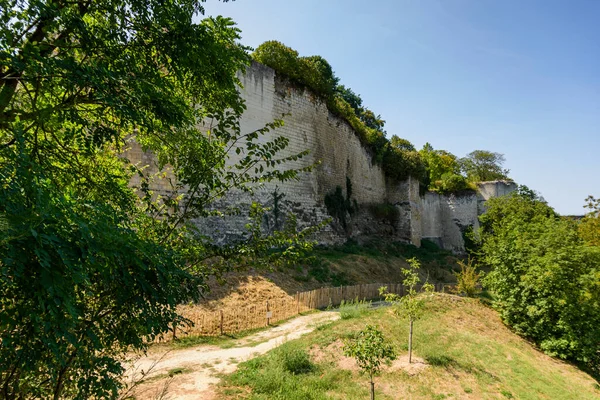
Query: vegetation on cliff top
point(438, 170)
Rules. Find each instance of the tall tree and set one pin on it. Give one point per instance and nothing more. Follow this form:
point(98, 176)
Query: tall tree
point(90, 268)
point(483, 165)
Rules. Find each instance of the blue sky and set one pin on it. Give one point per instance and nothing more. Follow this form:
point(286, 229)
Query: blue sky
point(519, 77)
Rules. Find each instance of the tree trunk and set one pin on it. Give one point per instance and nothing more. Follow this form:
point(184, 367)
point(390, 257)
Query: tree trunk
point(410, 342)
point(372, 389)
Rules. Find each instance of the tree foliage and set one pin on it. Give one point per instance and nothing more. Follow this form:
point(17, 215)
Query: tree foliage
point(411, 305)
point(89, 267)
point(370, 350)
point(483, 165)
point(546, 280)
point(589, 228)
point(443, 170)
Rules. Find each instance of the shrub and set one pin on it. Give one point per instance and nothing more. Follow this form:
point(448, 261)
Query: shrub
point(544, 277)
point(468, 278)
point(313, 72)
point(453, 182)
point(278, 56)
point(294, 360)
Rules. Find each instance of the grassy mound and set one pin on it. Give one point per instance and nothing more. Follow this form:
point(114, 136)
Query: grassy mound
point(463, 351)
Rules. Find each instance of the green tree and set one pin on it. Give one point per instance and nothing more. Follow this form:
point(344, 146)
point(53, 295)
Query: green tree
point(411, 305)
point(371, 120)
point(483, 165)
point(370, 350)
point(545, 279)
point(313, 72)
point(351, 98)
point(401, 160)
point(89, 267)
point(589, 228)
point(319, 75)
point(443, 170)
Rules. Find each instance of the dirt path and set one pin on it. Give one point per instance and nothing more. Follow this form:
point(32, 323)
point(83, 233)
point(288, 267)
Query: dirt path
point(195, 370)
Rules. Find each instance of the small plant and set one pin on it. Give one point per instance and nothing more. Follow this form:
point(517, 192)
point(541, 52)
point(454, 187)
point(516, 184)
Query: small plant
point(467, 280)
point(370, 350)
point(411, 305)
point(295, 360)
point(354, 308)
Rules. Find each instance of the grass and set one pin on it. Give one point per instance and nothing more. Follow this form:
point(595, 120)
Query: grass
point(352, 263)
point(470, 353)
point(354, 309)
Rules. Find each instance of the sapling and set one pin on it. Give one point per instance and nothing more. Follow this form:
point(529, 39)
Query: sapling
point(412, 303)
point(370, 350)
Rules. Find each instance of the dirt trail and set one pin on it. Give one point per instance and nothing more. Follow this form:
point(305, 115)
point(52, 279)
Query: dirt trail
point(198, 367)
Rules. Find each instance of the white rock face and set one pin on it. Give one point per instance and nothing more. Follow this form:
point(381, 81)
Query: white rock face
point(336, 147)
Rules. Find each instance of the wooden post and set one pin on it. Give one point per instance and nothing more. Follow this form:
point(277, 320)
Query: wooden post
point(410, 342)
point(221, 323)
point(268, 319)
point(297, 303)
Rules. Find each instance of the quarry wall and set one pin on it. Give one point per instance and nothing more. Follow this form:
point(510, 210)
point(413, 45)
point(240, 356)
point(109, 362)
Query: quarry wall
point(339, 157)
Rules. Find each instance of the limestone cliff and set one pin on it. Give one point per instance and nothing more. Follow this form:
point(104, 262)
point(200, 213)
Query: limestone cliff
point(383, 207)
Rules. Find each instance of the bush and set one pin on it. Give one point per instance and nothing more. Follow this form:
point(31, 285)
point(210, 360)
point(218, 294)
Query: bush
point(278, 56)
point(468, 278)
point(453, 182)
point(294, 360)
point(313, 72)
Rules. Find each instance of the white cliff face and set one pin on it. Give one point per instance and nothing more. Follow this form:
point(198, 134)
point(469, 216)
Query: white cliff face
point(335, 146)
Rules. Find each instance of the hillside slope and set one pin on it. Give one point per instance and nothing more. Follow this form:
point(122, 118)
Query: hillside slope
point(463, 351)
point(349, 264)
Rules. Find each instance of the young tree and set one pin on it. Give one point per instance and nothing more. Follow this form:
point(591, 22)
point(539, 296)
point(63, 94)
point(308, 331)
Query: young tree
point(370, 350)
point(90, 268)
point(412, 303)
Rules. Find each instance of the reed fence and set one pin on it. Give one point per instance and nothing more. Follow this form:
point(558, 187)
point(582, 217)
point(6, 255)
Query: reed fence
point(230, 321)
